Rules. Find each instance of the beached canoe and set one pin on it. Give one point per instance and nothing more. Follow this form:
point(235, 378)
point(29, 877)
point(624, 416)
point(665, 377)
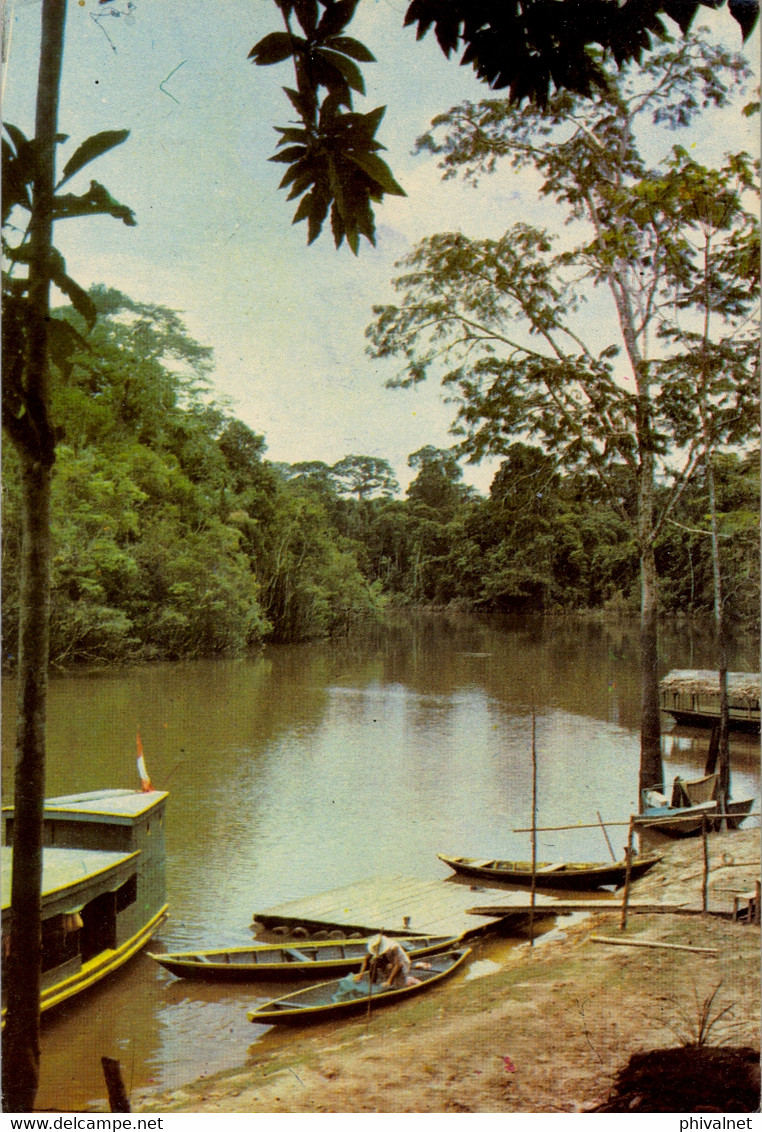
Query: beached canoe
point(581, 876)
point(688, 821)
point(276, 961)
point(342, 997)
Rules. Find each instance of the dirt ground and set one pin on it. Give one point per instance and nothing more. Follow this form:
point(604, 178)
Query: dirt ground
point(549, 1031)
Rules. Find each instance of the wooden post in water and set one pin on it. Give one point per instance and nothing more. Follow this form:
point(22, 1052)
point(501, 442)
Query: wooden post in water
point(605, 834)
point(705, 879)
point(118, 1101)
point(533, 892)
point(628, 871)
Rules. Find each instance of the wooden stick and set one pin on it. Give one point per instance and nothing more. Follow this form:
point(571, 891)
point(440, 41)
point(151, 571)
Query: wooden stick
point(555, 828)
point(627, 875)
point(605, 834)
point(640, 818)
point(705, 878)
point(118, 1100)
point(651, 943)
point(533, 892)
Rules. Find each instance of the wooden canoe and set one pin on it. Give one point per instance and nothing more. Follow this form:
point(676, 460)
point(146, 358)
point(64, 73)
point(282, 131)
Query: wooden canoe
point(568, 875)
point(325, 1002)
point(276, 961)
point(688, 821)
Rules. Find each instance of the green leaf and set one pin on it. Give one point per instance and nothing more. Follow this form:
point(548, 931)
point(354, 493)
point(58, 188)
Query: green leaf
point(64, 342)
point(17, 137)
point(379, 171)
point(80, 299)
point(352, 47)
point(336, 17)
point(276, 47)
point(349, 71)
point(293, 153)
point(93, 147)
point(96, 202)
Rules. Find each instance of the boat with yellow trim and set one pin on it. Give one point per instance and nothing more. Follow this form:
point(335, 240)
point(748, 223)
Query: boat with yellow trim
point(103, 885)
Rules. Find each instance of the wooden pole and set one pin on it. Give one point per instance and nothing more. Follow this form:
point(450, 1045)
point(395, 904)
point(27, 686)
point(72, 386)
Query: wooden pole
point(605, 834)
point(533, 893)
point(705, 879)
point(118, 1100)
point(628, 872)
point(371, 976)
point(651, 943)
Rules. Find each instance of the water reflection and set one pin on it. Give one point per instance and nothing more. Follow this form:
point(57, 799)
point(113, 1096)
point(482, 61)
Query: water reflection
point(314, 766)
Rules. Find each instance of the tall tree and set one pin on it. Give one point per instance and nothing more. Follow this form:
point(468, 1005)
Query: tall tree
point(30, 339)
point(714, 376)
point(365, 476)
point(500, 318)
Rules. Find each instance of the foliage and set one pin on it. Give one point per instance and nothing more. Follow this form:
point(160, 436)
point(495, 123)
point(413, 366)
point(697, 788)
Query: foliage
point(333, 155)
point(535, 49)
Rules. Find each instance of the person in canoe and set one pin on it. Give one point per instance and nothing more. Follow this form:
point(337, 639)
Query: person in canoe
point(387, 959)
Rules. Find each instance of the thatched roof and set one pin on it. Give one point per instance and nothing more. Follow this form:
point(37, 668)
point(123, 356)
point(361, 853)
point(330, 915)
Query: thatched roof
point(703, 681)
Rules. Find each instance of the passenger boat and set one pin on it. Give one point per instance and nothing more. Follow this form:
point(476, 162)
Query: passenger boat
point(275, 961)
point(569, 875)
point(692, 696)
point(340, 998)
point(103, 885)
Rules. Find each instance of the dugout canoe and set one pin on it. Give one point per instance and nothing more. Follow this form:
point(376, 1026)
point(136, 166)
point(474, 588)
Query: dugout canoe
point(582, 876)
point(326, 1001)
point(275, 961)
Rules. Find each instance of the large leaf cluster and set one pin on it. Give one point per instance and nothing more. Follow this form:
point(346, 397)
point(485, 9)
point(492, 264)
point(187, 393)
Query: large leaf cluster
point(533, 47)
point(23, 417)
point(332, 153)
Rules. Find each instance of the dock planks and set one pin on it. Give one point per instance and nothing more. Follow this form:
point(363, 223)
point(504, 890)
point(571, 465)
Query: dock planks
point(431, 907)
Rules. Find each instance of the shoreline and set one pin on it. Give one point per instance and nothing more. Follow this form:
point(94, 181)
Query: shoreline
point(547, 1031)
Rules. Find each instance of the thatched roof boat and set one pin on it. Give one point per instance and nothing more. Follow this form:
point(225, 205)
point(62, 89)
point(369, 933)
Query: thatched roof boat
point(692, 695)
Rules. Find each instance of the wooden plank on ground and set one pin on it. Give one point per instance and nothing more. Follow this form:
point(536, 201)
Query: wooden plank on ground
point(564, 907)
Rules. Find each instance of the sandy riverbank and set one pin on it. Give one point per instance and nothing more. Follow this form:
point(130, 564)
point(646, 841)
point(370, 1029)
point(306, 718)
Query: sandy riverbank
point(548, 1031)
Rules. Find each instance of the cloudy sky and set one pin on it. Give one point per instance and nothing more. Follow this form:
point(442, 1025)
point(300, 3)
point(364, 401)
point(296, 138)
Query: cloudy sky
point(214, 239)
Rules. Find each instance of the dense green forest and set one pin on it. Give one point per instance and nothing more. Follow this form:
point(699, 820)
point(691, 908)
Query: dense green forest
point(175, 537)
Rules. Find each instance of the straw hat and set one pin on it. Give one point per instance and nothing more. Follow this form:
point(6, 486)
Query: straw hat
point(379, 944)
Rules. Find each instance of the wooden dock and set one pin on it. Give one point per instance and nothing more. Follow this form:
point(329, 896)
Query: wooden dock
point(399, 904)
point(391, 903)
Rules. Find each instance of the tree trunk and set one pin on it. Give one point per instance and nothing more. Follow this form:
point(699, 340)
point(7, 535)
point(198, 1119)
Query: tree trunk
point(21, 1052)
point(723, 746)
point(34, 439)
point(651, 769)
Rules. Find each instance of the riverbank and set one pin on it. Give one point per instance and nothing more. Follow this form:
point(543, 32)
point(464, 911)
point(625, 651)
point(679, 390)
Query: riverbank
point(547, 1031)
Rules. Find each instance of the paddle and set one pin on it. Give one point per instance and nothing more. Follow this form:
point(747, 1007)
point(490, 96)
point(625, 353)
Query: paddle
point(371, 976)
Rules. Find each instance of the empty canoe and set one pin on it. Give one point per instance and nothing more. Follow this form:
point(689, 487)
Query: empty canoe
point(275, 961)
point(581, 876)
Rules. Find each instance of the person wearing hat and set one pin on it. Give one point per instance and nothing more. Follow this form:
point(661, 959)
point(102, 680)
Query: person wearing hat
point(388, 958)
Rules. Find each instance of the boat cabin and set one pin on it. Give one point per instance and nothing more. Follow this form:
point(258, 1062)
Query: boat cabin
point(103, 884)
point(692, 696)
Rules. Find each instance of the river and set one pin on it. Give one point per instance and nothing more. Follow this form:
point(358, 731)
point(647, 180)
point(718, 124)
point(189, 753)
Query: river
point(312, 766)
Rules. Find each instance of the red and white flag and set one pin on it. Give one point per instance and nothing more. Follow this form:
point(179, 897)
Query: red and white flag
point(145, 781)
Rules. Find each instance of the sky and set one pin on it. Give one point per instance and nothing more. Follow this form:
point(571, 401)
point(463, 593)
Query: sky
point(214, 239)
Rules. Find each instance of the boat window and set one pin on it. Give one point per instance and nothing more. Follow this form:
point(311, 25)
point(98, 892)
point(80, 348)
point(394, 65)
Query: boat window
point(127, 894)
point(99, 919)
point(60, 940)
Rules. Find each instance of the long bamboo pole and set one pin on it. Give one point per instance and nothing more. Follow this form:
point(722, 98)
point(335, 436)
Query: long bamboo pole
point(628, 873)
point(615, 940)
point(605, 834)
point(533, 893)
